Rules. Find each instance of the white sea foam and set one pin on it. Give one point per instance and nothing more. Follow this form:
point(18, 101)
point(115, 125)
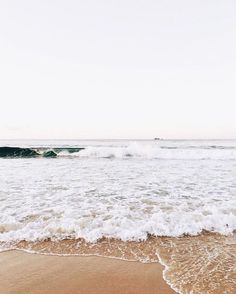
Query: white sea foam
point(152, 151)
point(84, 195)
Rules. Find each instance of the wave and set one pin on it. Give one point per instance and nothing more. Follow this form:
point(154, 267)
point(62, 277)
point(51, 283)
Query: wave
point(122, 222)
point(133, 150)
point(155, 152)
point(19, 152)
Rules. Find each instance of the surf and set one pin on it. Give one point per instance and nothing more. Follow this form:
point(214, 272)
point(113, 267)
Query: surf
point(20, 152)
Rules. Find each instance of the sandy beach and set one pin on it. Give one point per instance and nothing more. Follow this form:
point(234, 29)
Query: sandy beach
point(22, 273)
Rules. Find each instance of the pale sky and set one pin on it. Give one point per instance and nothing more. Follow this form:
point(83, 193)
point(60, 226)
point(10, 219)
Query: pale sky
point(117, 69)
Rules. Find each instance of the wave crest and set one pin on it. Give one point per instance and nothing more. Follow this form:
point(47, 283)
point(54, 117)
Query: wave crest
point(155, 152)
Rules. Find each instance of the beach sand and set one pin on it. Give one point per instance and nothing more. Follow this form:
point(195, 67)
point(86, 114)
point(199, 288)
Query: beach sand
point(25, 273)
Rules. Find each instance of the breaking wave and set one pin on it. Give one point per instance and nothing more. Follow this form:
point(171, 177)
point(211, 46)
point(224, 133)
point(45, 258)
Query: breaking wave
point(156, 152)
point(16, 152)
point(133, 150)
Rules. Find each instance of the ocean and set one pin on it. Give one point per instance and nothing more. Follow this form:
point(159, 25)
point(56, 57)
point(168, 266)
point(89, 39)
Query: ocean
point(172, 201)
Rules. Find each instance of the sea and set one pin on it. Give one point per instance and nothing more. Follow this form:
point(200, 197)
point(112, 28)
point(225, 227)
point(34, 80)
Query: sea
point(167, 201)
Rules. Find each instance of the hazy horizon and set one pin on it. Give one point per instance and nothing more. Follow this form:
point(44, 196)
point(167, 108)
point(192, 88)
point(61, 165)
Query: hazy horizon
point(117, 69)
point(119, 139)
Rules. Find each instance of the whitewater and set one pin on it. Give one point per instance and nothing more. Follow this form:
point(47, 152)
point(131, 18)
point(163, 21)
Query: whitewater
point(118, 189)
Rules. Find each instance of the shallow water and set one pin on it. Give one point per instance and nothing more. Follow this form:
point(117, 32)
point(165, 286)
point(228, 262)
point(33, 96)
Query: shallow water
point(193, 264)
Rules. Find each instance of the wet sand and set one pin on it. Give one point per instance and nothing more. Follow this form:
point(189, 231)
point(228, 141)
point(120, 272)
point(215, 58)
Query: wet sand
point(24, 273)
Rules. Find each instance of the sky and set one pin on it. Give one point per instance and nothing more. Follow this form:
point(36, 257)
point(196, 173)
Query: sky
point(117, 69)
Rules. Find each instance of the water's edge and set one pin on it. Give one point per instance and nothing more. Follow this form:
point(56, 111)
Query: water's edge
point(186, 260)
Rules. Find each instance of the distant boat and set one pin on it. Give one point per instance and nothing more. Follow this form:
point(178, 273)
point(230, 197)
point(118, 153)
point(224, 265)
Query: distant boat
point(156, 139)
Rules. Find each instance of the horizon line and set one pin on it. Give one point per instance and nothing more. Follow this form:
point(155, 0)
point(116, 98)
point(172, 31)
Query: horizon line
point(119, 139)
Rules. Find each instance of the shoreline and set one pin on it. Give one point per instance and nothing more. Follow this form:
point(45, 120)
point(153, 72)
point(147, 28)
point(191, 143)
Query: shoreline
point(188, 264)
point(22, 272)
